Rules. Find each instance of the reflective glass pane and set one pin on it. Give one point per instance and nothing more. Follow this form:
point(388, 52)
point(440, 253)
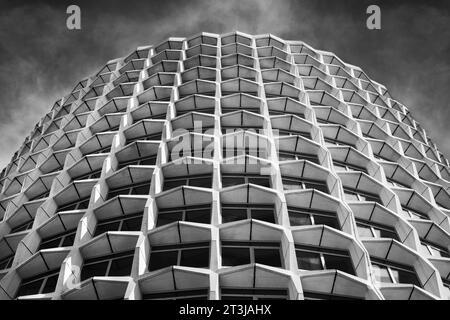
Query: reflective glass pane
point(200, 216)
point(232, 256)
point(263, 214)
point(402, 276)
point(270, 257)
point(162, 259)
point(233, 214)
point(308, 260)
point(381, 274)
point(50, 284)
point(166, 218)
point(299, 219)
point(201, 182)
point(195, 258)
point(121, 266)
point(364, 231)
point(338, 262)
point(94, 269)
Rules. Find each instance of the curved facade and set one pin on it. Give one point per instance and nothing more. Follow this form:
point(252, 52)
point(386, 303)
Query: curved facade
point(226, 166)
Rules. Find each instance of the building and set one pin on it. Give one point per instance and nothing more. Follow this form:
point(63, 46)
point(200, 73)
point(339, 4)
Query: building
point(225, 166)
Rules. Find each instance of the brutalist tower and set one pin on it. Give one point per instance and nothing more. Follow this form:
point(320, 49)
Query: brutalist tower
point(223, 167)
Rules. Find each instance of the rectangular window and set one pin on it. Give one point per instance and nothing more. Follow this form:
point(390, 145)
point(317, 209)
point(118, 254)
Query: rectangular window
point(389, 272)
point(203, 181)
point(293, 183)
point(287, 156)
point(235, 212)
point(235, 152)
point(238, 253)
point(147, 161)
point(199, 214)
point(41, 284)
point(137, 189)
point(375, 230)
point(228, 129)
point(236, 179)
point(318, 258)
point(121, 223)
point(65, 239)
point(188, 255)
point(344, 166)
point(302, 217)
point(116, 265)
point(358, 195)
point(194, 294)
point(148, 137)
point(283, 132)
point(80, 204)
point(433, 249)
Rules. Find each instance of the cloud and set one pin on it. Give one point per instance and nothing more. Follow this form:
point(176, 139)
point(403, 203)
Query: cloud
point(40, 60)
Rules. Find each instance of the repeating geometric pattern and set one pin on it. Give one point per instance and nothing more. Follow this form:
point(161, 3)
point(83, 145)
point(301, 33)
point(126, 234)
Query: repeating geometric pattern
point(226, 166)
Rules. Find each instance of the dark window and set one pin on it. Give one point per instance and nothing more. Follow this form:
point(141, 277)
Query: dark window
point(43, 283)
point(153, 136)
point(236, 179)
point(202, 110)
point(293, 183)
point(318, 258)
point(199, 214)
point(76, 205)
point(286, 156)
point(188, 255)
point(235, 212)
point(136, 189)
point(116, 265)
point(302, 217)
point(238, 253)
point(204, 180)
point(390, 272)
point(121, 223)
point(147, 161)
point(65, 239)
point(228, 129)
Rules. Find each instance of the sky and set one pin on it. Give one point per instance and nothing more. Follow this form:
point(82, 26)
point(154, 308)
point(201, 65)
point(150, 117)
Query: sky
point(41, 60)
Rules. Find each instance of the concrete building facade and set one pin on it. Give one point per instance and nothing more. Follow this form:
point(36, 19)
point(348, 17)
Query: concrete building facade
point(222, 167)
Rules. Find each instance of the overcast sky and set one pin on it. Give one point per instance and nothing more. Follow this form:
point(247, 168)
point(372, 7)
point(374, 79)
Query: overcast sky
point(41, 61)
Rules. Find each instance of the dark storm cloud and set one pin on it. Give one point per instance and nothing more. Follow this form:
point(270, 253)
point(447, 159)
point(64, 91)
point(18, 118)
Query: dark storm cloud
point(40, 60)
